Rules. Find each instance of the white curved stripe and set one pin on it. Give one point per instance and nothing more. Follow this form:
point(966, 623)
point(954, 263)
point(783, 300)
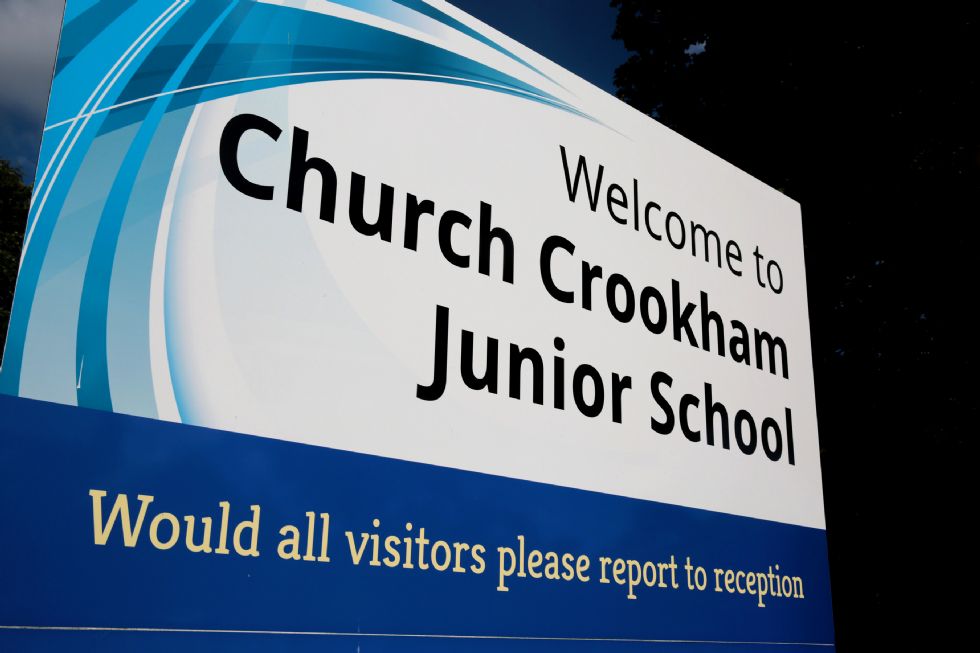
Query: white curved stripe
point(163, 390)
point(400, 73)
point(95, 92)
point(85, 120)
point(432, 32)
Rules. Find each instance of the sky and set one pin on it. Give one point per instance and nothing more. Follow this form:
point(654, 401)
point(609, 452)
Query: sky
point(28, 38)
point(577, 34)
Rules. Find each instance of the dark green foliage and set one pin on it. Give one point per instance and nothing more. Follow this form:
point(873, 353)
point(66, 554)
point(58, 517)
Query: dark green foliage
point(15, 199)
point(869, 117)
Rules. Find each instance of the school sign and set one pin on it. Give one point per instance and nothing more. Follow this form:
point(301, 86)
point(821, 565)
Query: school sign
point(358, 324)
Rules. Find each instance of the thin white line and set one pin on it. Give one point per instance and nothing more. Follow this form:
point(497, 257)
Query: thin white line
point(78, 132)
point(95, 91)
point(306, 74)
point(314, 633)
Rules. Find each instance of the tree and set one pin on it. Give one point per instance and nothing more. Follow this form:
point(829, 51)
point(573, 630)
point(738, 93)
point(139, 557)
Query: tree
point(869, 118)
point(15, 199)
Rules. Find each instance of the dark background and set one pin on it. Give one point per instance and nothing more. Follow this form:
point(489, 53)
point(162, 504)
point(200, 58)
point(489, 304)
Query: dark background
point(870, 120)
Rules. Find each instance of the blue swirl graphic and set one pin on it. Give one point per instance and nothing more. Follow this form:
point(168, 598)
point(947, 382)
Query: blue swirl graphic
point(122, 68)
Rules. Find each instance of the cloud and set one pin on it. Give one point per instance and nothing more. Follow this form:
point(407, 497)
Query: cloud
point(28, 40)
